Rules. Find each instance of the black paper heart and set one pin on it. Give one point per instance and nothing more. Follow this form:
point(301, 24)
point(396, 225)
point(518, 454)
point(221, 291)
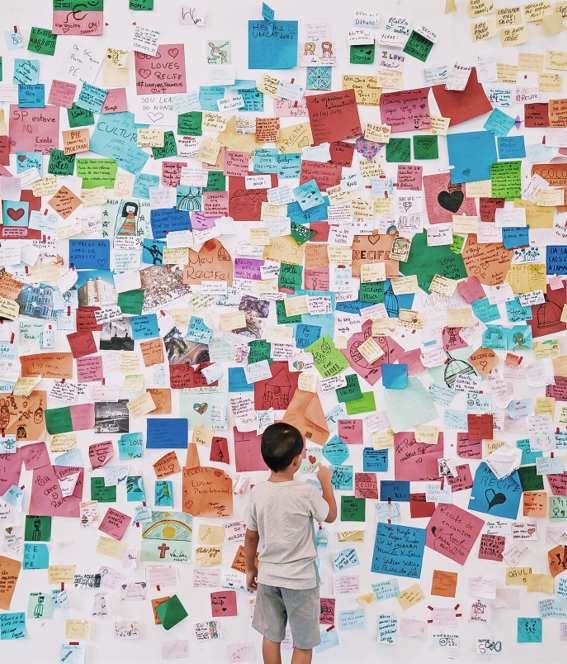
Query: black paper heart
point(450, 201)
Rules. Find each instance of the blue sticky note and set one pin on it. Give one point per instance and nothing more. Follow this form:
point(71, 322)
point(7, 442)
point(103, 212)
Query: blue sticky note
point(142, 185)
point(265, 160)
point(89, 254)
point(305, 335)
point(495, 497)
point(345, 559)
point(519, 337)
point(144, 327)
point(398, 550)
point(31, 96)
point(237, 380)
point(272, 45)
point(485, 311)
point(516, 312)
point(352, 619)
point(472, 154)
point(164, 220)
point(26, 72)
point(396, 490)
point(528, 457)
point(328, 640)
point(12, 626)
point(289, 165)
point(91, 98)
point(267, 13)
point(26, 160)
point(116, 136)
point(499, 122)
point(135, 491)
point(317, 213)
point(342, 479)
point(198, 331)
point(308, 195)
point(152, 251)
point(130, 446)
point(455, 419)
point(561, 439)
point(530, 630)
point(164, 493)
point(168, 433)
point(395, 376)
point(15, 213)
point(70, 458)
point(36, 556)
point(374, 461)
point(511, 147)
point(513, 237)
point(556, 259)
point(209, 95)
point(335, 451)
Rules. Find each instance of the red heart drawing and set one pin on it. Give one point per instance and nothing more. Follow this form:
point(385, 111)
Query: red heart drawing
point(218, 473)
point(15, 214)
point(145, 73)
point(173, 52)
point(21, 158)
point(312, 460)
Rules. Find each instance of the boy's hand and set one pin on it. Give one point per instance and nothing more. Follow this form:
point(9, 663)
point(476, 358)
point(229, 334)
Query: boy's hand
point(252, 580)
point(324, 474)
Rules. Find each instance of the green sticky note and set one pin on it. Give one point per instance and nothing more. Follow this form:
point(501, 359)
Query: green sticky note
point(42, 40)
point(281, 315)
point(142, 5)
point(366, 404)
point(301, 234)
point(260, 350)
point(353, 509)
point(425, 262)
point(79, 117)
point(171, 612)
point(97, 172)
point(372, 292)
point(291, 276)
point(362, 54)
point(58, 420)
point(60, 163)
point(38, 528)
point(216, 181)
point(102, 493)
point(189, 124)
point(506, 177)
point(130, 302)
point(558, 508)
point(351, 391)
point(425, 147)
point(398, 150)
point(418, 46)
point(406, 408)
point(327, 358)
point(169, 147)
point(529, 479)
point(71, 5)
point(458, 243)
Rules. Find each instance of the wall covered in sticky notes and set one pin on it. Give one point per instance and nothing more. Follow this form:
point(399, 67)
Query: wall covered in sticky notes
point(348, 217)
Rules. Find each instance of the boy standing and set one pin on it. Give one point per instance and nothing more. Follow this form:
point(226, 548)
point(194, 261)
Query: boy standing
point(281, 517)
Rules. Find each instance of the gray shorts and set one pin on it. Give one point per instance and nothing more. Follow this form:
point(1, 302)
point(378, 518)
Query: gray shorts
point(276, 606)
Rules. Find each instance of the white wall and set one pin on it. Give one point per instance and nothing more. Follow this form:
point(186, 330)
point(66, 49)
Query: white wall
point(69, 544)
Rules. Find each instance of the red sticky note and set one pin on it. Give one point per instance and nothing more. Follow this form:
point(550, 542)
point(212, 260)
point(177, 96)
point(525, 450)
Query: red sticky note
point(115, 524)
point(100, 454)
point(45, 485)
point(350, 431)
point(276, 392)
point(163, 73)
point(171, 173)
point(82, 343)
point(316, 278)
point(327, 611)
point(325, 175)
point(464, 479)
point(406, 110)
point(487, 208)
point(341, 153)
point(85, 319)
point(248, 456)
point(219, 450)
point(366, 486)
point(419, 507)
point(223, 604)
point(246, 204)
point(322, 230)
point(463, 105)
point(334, 116)
point(491, 547)
point(415, 461)
point(410, 177)
point(236, 163)
point(62, 94)
point(480, 426)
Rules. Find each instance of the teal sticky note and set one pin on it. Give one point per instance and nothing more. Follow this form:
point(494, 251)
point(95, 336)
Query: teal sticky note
point(308, 195)
point(272, 45)
point(499, 122)
point(12, 626)
point(530, 630)
point(395, 376)
point(471, 154)
point(402, 417)
point(36, 556)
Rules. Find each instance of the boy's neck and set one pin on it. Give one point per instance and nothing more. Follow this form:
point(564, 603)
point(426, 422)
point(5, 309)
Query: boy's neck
point(283, 476)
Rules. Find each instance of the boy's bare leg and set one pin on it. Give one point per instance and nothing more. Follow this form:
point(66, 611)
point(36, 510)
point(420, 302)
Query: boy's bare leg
point(302, 656)
point(271, 652)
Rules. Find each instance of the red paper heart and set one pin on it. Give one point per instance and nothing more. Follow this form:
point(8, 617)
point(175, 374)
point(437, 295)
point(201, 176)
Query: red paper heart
point(15, 214)
point(312, 460)
point(145, 73)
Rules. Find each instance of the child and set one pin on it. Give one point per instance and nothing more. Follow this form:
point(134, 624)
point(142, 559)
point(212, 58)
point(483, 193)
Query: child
point(281, 516)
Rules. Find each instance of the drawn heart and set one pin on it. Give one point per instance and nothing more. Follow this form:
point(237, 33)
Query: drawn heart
point(218, 473)
point(15, 214)
point(450, 201)
point(110, 99)
point(224, 608)
point(173, 52)
point(531, 531)
point(373, 238)
point(436, 532)
point(467, 171)
point(497, 498)
point(22, 158)
point(200, 407)
point(101, 261)
point(312, 460)
point(145, 73)
point(154, 117)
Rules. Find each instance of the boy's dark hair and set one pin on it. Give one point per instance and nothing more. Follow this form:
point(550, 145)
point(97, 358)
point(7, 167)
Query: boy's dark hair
point(281, 443)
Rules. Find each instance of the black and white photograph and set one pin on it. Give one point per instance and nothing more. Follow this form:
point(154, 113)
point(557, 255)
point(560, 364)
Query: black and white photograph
point(117, 335)
point(112, 416)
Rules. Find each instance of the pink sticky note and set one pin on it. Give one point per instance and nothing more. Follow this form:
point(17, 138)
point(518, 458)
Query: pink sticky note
point(62, 94)
point(350, 431)
point(215, 203)
point(415, 461)
point(413, 629)
point(115, 524)
point(471, 290)
point(452, 532)
point(223, 603)
point(236, 163)
point(80, 21)
point(100, 454)
point(116, 101)
point(35, 456)
point(171, 173)
point(10, 468)
point(413, 359)
point(46, 498)
point(162, 74)
point(89, 369)
point(82, 416)
point(34, 129)
point(316, 278)
point(247, 452)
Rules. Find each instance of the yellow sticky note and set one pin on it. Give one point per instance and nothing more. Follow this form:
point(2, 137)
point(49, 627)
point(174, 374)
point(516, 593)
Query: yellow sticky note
point(507, 16)
point(295, 306)
point(550, 83)
point(390, 79)
point(480, 8)
point(369, 598)
point(294, 138)
point(462, 317)
point(25, 386)
point(556, 60)
point(284, 250)
point(307, 382)
point(208, 556)
point(527, 278)
point(115, 78)
point(491, 445)
point(151, 138)
point(43, 272)
point(547, 196)
point(280, 334)
point(370, 350)
point(78, 630)
point(536, 215)
point(46, 186)
point(94, 197)
point(108, 546)
point(234, 320)
point(351, 536)
point(63, 442)
point(465, 224)
point(531, 62)
point(372, 272)
point(209, 150)
point(213, 121)
point(540, 583)
point(382, 440)
point(426, 434)
point(129, 363)
point(211, 535)
point(385, 327)
point(479, 189)
point(378, 133)
point(405, 285)
point(546, 405)
point(202, 435)
point(141, 405)
point(60, 574)
point(513, 36)
point(133, 383)
point(260, 237)
point(482, 30)
point(3, 125)
point(517, 576)
point(535, 11)
point(411, 596)
point(269, 85)
point(339, 254)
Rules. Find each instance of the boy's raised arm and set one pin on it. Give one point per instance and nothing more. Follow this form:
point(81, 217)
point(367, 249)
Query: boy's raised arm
point(324, 475)
point(250, 548)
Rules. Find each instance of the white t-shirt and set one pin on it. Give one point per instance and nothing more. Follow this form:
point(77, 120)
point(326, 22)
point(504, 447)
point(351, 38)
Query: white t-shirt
point(282, 513)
